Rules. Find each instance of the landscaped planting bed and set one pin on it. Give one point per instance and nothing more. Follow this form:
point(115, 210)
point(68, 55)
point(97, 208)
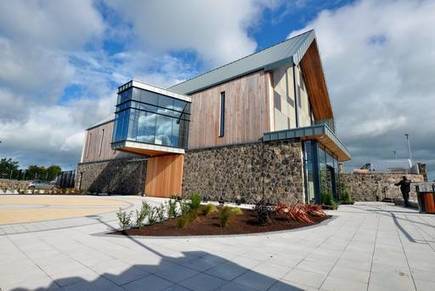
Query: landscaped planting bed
point(190, 217)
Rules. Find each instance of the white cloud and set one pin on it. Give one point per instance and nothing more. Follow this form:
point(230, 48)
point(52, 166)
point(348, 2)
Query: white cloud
point(48, 46)
point(36, 41)
point(379, 61)
point(216, 30)
point(60, 24)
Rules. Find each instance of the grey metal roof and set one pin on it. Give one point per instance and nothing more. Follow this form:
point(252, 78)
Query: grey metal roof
point(108, 119)
point(288, 51)
point(308, 131)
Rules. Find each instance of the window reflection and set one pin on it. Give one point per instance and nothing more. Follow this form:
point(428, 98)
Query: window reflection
point(148, 117)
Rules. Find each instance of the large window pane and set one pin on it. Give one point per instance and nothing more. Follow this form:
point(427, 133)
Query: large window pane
point(163, 130)
point(151, 118)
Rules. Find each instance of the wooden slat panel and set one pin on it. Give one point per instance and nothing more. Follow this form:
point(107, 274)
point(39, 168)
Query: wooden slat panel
point(315, 83)
point(164, 175)
point(98, 143)
point(246, 112)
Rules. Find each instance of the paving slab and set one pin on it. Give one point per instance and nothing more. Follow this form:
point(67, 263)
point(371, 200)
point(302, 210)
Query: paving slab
point(367, 246)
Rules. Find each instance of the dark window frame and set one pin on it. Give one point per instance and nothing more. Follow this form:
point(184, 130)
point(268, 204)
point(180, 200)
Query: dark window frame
point(222, 115)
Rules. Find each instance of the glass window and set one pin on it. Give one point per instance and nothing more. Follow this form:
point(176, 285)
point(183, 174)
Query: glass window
point(147, 126)
point(175, 133)
point(222, 115)
point(163, 130)
point(179, 105)
point(277, 100)
point(152, 118)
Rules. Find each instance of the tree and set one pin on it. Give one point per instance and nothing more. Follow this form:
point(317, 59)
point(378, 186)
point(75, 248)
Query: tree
point(8, 168)
point(34, 172)
point(53, 171)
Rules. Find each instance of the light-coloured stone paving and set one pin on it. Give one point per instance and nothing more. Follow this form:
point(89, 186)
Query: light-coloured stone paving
point(371, 246)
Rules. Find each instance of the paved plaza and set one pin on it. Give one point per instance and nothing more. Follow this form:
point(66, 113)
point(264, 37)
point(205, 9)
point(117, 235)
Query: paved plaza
point(367, 246)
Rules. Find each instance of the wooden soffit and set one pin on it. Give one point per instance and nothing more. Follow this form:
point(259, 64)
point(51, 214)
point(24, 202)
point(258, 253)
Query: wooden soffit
point(315, 83)
point(145, 149)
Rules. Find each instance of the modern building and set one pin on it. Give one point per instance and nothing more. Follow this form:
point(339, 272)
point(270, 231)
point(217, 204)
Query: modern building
point(262, 125)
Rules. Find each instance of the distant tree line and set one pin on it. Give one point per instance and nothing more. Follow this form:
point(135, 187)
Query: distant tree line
point(10, 169)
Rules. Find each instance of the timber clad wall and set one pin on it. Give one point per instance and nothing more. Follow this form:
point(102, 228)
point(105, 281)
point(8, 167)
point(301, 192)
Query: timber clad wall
point(246, 112)
point(98, 144)
point(164, 175)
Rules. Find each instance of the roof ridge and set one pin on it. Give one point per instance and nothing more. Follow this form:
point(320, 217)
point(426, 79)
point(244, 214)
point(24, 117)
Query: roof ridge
point(227, 64)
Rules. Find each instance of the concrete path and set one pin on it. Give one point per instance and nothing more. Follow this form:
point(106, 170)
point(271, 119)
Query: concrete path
point(372, 246)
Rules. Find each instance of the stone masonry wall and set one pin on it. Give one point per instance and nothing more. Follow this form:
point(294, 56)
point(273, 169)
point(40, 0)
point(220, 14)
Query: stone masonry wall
point(13, 184)
point(118, 176)
point(366, 186)
point(248, 170)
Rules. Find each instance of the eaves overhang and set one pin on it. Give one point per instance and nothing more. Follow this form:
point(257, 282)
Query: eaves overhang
point(320, 133)
point(145, 148)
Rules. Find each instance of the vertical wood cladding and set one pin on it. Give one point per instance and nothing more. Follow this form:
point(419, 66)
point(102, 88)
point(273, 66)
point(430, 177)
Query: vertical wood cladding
point(164, 175)
point(246, 112)
point(98, 144)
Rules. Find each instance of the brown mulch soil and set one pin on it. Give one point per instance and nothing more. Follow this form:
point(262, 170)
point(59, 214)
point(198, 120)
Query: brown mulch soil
point(209, 225)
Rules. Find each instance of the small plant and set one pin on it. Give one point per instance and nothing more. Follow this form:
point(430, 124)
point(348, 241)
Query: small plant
point(209, 209)
point(296, 212)
point(142, 214)
point(187, 218)
point(152, 215)
point(195, 201)
point(160, 212)
point(185, 207)
point(345, 197)
point(315, 210)
point(227, 213)
point(172, 208)
point(326, 198)
point(262, 211)
point(124, 218)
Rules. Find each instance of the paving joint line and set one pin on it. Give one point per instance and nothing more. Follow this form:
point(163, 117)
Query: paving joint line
point(30, 259)
point(374, 250)
point(407, 262)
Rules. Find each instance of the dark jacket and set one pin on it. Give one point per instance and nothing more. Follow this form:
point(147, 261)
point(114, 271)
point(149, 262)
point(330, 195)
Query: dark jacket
point(405, 186)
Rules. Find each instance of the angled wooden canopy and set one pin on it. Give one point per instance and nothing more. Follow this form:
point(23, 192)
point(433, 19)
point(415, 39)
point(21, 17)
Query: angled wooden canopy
point(314, 78)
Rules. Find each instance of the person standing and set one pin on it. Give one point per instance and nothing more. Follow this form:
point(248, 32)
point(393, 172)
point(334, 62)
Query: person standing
point(405, 188)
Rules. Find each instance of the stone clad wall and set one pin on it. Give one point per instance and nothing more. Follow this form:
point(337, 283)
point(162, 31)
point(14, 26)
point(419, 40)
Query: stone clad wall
point(248, 170)
point(14, 184)
point(366, 186)
point(118, 176)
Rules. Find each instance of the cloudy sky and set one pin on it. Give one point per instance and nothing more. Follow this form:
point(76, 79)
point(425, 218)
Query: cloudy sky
point(61, 61)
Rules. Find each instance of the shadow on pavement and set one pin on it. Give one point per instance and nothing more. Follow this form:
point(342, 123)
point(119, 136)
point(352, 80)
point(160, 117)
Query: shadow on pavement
point(194, 270)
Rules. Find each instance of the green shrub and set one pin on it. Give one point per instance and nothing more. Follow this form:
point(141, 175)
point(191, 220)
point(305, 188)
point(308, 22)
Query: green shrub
point(345, 197)
point(187, 218)
point(172, 208)
point(262, 211)
point(124, 218)
point(195, 201)
point(142, 214)
point(326, 199)
point(209, 209)
point(160, 212)
point(185, 207)
point(226, 213)
point(153, 215)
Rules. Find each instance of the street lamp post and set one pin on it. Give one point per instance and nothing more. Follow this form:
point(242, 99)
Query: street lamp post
point(409, 146)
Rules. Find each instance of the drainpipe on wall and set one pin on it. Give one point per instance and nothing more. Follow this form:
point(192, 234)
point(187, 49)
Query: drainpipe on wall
point(295, 96)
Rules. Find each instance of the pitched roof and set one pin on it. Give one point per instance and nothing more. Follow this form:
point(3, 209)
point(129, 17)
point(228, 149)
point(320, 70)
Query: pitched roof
point(288, 51)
